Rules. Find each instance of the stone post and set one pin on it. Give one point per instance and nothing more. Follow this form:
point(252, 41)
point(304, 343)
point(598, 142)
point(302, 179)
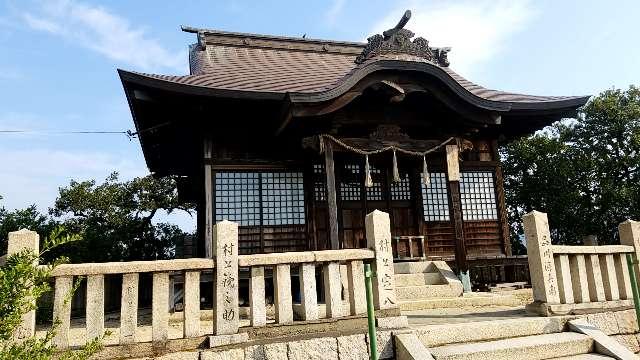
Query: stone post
point(332, 289)
point(129, 308)
point(18, 241)
point(590, 240)
point(95, 306)
point(191, 304)
point(257, 297)
point(630, 235)
point(378, 232)
point(308, 294)
point(282, 293)
point(62, 310)
point(357, 293)
point(225, 292)
point(540, 255)
point(160, 309)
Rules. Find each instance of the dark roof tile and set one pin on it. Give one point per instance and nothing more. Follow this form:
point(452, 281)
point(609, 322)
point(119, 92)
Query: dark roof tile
point(260, 63)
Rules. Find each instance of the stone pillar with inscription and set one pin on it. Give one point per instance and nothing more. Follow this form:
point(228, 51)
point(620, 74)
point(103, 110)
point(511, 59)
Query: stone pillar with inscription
point(378, 232)
point(225, 288)
point(541, 264)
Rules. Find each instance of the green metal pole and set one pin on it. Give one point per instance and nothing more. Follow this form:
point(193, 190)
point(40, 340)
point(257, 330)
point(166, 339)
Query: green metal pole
point(631, 261)
point(373, 341)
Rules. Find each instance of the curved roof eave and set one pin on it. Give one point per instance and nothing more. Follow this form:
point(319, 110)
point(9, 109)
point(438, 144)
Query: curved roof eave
point(501, 106)
point(348, 82)
point(157, 83)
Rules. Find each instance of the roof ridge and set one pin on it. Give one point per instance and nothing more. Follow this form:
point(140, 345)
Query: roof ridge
point(214, 32)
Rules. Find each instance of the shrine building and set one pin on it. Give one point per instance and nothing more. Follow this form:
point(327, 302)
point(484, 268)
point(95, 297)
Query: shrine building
point(297, 139)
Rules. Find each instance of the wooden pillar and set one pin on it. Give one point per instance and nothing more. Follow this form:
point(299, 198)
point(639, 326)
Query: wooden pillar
point(453, 178)
point(208, 194)
point(332, 203)
point(310, 205)
point(502, 212)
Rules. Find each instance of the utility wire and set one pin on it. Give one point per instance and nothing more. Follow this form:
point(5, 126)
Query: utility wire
point(130, 134)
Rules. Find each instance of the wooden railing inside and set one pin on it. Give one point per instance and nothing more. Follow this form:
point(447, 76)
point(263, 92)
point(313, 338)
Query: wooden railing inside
point(226, 265)
point(569, 279)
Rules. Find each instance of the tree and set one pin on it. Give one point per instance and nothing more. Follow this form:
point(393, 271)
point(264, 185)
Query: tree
point(29, 218)
point(584, 172)
point(116, 218)
point(21, 282)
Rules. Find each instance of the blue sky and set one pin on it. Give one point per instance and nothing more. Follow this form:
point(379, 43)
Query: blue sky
point(58, 62)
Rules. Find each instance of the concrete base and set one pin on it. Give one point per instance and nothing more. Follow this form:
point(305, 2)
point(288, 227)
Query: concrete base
point(546, 309)
point(222, 340)
point(409, 347)
point(468, 300)
point(603, 344)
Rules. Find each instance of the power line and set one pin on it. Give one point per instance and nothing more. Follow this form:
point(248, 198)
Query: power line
point(130, 134)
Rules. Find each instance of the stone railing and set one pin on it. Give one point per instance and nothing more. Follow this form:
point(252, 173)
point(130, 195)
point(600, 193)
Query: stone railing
point(226, 265)
point(577, 279)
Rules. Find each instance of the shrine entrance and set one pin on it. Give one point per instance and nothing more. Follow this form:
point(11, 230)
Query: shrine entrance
point(354, 200)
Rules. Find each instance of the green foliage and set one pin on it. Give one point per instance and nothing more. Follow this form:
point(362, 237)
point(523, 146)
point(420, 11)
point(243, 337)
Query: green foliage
point(115, 218)
point(583, 173)
point(21, 283)
point(29, 218)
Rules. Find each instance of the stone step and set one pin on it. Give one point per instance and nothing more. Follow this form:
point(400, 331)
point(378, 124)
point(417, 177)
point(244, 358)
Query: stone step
point(447, 334)
point(584, 357)
point(425, 292)
point(536, 347)
point(414, 267)
point(459, 302)
point(428, 278)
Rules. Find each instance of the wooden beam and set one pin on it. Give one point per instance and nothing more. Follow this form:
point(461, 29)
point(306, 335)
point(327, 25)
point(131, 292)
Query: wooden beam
point(453, 178)
point(332, 203)
point(208, 193)
point(453, 163)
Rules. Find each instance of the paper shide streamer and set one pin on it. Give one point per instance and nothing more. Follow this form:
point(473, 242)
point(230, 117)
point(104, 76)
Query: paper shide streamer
point(368, 181)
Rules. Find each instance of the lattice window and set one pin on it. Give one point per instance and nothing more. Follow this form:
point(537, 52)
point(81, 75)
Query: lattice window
point(319, 183)
point(375, 192)
point(478, 195)
point(401, 190)
point(238, 197)
point(282, 198)
point(351, 183)
point(435, 199)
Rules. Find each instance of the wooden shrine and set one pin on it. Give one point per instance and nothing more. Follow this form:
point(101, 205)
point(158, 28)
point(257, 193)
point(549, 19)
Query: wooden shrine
point(298, 139)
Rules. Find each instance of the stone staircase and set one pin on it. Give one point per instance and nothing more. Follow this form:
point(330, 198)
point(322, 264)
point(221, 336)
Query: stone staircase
point(432, 285)
point(523, 338)
point(425, 280)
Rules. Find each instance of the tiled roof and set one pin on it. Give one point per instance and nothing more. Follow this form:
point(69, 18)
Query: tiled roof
point(259, 63)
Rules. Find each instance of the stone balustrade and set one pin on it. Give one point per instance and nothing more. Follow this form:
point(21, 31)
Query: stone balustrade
point(576, 279)
point(226, 265)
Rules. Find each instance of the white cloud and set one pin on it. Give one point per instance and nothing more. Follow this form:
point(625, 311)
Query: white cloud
point(334, 11)
point(33, 176)
point(476, 30)
point(98, 29)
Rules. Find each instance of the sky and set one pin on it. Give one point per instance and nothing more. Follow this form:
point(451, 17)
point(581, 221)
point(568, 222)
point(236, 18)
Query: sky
point(58, 61)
